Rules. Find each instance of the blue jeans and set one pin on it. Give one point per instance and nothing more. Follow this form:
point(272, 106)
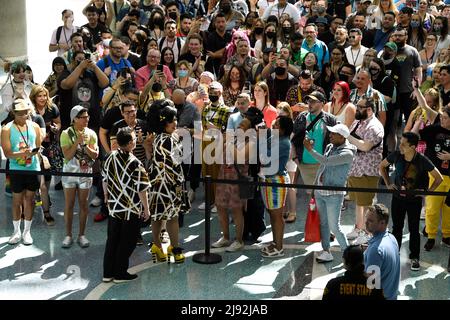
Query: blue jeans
point(330, 215)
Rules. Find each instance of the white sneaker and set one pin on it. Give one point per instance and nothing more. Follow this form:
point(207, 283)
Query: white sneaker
point(214, 209)
point(422, 213)
point(222, 242)
point(83, 241)
point(324, 256)
point(191, 195)
point(353, 234)
point(26, 238)
point(202, 206)
point(15, 238)
point(67, 242)
point(362, 238)
point(235, 246)
point(96, 202)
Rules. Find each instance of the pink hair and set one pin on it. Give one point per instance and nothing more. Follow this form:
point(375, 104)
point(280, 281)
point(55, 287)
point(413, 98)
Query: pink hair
point(230, 49)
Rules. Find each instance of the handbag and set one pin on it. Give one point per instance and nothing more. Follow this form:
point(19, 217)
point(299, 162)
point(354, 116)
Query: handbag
point(246, 191)
point(312, 226)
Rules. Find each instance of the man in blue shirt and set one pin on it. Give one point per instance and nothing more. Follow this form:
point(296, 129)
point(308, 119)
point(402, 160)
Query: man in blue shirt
point(382, 255)
point(113, 63)
point(312, 44)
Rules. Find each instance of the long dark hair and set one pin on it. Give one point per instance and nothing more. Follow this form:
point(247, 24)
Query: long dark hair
point(242, 77)
point(172, 64)
point(444, 31)
point(151, 23)
point(264, 39)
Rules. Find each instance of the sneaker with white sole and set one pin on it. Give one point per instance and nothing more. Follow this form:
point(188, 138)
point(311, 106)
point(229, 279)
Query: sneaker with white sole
point(422, 214)
point(415, 265)
point(26, 238)
point(235, 246)
point(83, 241)
point(67, 242)
point(363, 238)
point(324, 256)
point(353, 234)
point(222, 242)
point(96, 202)
point(15, 238)
point(214, 209)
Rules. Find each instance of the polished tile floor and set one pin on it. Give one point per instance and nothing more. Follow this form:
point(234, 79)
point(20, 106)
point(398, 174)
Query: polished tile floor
point(46, 271)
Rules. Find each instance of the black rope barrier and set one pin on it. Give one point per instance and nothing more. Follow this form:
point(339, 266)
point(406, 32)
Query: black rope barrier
point(245, 182)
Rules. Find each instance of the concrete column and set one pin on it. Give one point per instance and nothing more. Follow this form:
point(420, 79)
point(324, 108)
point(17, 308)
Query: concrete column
point(13, 37)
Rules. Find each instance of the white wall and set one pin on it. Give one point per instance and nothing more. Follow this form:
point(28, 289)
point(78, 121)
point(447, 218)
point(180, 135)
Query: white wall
point(44, 16)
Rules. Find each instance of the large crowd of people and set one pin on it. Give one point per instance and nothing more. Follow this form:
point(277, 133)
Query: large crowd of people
point(334, 87)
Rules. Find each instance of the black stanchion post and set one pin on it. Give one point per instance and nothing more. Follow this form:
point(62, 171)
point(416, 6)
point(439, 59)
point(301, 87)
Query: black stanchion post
point(207, 257)
point(448, 267)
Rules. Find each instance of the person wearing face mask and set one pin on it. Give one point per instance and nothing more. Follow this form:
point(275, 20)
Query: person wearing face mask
point(156, 24)
point(388, 55)
point(318, 9)
point(440, 27)
point(280, 81)
point(60, 40)
point(183, 80)
point(214, 122)
point(257, 31)
point(410, 66)
point(269, 40)
point(282, 7)
point(416, 32)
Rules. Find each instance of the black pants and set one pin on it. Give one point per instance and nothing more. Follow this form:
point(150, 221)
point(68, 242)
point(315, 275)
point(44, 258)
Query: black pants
point(399, 208)
point(120, 244)
point(406, 105)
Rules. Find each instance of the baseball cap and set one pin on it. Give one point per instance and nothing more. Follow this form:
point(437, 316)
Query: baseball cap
point(321, 20)
point(340, 129)
point(76, 111)
point(21, 105)
point(317, 96)
point(216, 85)
point(391, 45)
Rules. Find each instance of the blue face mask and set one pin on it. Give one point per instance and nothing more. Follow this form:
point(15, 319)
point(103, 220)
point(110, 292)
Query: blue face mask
point(415, 24)
point(183, 73)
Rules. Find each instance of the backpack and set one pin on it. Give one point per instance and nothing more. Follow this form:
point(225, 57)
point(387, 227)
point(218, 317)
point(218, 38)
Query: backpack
point(394, 93)
point(58, 33)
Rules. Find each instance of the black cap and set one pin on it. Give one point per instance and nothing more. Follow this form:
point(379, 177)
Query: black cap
point(317, 96)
